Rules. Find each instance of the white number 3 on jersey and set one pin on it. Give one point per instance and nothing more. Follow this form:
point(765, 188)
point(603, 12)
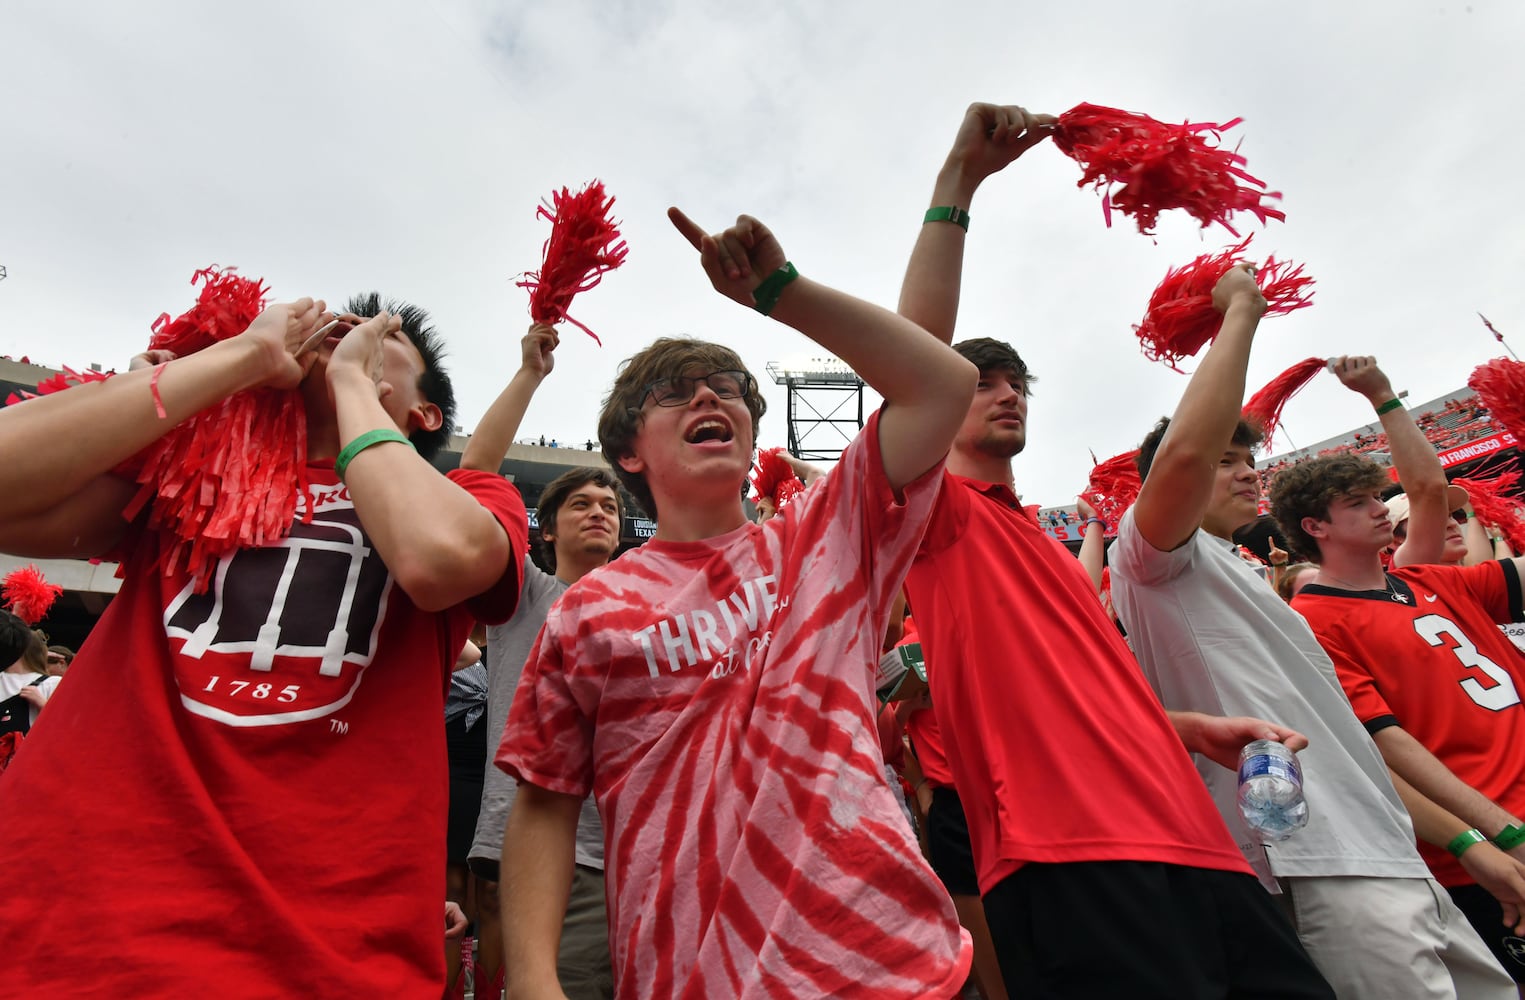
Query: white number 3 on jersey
point(1501, 694)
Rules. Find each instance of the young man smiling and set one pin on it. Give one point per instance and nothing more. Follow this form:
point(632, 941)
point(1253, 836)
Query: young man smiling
point(714, 689)
point(1211, 636)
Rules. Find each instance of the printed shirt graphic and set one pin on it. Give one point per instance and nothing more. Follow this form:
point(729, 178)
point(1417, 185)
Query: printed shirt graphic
point(1437, 665)
point(250, 781)
point(718, 699)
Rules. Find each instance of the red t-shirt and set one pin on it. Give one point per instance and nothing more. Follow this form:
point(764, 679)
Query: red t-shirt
point(234, 794)
point(1059, 749)
point(1427, 654)
point(717, 698)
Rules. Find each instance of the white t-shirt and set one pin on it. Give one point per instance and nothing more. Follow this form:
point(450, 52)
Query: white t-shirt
point(11, 685)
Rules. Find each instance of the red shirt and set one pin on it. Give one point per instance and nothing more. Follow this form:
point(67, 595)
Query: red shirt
point(1434, 662)
point(243, 792)
point(1059, 749)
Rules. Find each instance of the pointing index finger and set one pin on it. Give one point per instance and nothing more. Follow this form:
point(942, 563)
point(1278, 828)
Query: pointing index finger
point(690, 229)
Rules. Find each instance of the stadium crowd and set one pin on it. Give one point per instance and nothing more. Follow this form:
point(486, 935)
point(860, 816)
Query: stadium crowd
point(888, 739)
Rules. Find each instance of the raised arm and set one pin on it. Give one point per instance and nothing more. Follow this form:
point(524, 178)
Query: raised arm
point(489, 444)
point(1093, 542)
point(63, 501)
point(440, 544)
point(925, 385)
point(989, 138)
point(1419, 468)
point(1178, 490)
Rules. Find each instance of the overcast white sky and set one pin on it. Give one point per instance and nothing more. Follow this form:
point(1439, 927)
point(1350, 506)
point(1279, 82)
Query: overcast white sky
point(404, 146)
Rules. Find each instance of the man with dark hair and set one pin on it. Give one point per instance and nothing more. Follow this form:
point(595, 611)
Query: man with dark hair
point(579, 528)
point(1212, 636)
point(1419, 653)
point(714, 690)
point(250, 774)
point(432, 381)
point(1105, 869)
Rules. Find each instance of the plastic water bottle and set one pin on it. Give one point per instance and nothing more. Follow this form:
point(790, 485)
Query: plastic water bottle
point(1271, 790)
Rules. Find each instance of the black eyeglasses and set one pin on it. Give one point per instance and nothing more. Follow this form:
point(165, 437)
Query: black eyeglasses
point(1459, 516)
point(677, 391)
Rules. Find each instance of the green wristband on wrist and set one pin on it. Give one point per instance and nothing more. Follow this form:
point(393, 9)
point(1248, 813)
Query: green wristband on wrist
point(379, 436)
point(1389, 406)
point(1510, 837)
point(948, 213)
point(1459, 844)
point(765, 296)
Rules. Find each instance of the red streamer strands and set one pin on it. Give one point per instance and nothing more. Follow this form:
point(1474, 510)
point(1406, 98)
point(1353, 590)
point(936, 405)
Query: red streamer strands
point(1181, 319)
point(28, 595)
point(1500, 384)
point(773, 479)
point(1113, 486)
point(58, 383)
point(1496, 503)
point(1265, 407)
point(9, 743)
point(230, 476)
point(1144, 167)
point(584, 244)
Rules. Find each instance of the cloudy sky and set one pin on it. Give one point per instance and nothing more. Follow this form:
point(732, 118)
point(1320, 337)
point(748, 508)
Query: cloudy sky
point(336, 147)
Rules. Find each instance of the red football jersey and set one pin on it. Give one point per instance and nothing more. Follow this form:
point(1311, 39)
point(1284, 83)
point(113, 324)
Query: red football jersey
point(718, 699)
point(1427, 654)
point(243, 792)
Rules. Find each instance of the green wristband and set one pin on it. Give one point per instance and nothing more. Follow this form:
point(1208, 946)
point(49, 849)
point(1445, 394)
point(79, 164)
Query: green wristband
point(948, 213)
point(1459, 844)
point(379, 436)
point(765, 296)
point(1510, 837)
point(1392, 404)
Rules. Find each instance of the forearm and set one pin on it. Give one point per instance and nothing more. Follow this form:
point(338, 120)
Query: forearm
point(1423, 479)
point(536, 872)
point(1093, 551)
point(438, 542)
point(1410, 761)
point(489, 443)
point(1432, 824)
point(107, 422)
point(1480, 547)
point(929, 295)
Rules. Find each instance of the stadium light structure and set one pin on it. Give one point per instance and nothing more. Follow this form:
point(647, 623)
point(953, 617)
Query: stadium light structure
point(825, 405)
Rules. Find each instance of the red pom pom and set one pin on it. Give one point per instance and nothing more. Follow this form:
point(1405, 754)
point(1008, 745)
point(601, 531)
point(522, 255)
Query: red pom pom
point(28, 595)
point(773, 478)
point(585, 243)
point(1265, 407)
point(1113, 486)
point(1497, 503)
point(58, 383)
point(1500, 384)
point(1181, 319)
point(9, 744)
point(1144, 167)
point(227, 305)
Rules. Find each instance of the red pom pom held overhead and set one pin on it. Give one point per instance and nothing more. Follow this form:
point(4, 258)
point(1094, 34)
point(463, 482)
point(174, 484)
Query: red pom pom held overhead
point(1500, 385)
point(1144, 167)
point(1114, 485)
point(1264, 409)
point(773, 479)
point(1181, 319)
point(28, 595)
point(584, 244)
point(1497, 504)
point(227, 305)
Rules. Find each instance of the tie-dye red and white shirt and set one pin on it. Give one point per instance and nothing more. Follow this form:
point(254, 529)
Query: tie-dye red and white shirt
point(717, 697)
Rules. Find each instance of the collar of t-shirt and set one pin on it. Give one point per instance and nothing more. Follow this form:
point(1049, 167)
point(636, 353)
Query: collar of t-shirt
point(996, 491)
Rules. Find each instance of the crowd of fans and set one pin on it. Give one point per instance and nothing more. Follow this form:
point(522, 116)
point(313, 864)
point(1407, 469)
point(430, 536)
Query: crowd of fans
point(889, 740)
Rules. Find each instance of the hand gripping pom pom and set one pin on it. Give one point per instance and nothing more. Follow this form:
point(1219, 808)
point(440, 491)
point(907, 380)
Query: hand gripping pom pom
point(1114, 485)
point(1265, 407)
point(1144, 167)
point(1497, 503)
point(1181, 319)
point(584, 244)
point(773, 478)
point(27, 595)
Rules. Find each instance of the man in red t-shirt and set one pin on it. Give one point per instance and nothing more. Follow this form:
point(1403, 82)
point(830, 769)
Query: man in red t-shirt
point(1105, 867)
point(245, 782)
point(714, 688)
point(1419, 652)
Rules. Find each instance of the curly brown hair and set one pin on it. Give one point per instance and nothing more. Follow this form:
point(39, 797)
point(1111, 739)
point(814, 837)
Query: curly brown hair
point(1307, 489)
point(666, 357)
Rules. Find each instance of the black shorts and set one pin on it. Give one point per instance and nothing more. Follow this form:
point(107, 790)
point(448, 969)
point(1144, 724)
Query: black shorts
point(467, 750)
point(948, 847)
point(1145, 931)
point(1487, 917)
